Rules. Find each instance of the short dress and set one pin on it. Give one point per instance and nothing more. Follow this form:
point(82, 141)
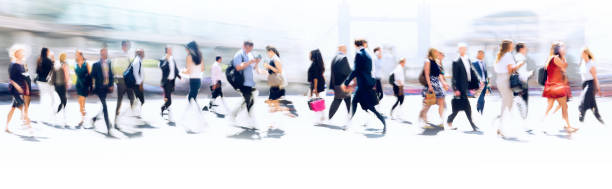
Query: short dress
point(81, 85)
point(434, 77)
point(17, 75)
point(556, 85)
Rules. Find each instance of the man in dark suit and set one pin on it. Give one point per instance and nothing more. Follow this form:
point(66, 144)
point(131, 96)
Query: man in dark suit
point(481, 69)
point(464, 79)
point(340, 69)
point(365, 94)
point(103, 84)
point(169, 74)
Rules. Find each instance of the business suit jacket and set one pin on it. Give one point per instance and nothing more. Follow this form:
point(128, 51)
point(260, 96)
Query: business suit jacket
point(460, 79)
point(340, 69)
point(98, 75)
point(164, 65)
point(480, 72)
point(363, 73)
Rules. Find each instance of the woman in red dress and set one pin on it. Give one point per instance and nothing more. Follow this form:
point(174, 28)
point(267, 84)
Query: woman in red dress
point(557, 86)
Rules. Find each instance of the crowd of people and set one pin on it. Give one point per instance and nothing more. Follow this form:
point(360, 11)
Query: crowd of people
point(361, 84)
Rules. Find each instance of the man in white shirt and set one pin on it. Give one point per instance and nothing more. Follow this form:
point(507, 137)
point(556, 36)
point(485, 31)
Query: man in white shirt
point(397, 80)
point(169, 74)
point(378, 71)
point(137, 87)
point(463, 81)
point(216, 76)
point(521, 57)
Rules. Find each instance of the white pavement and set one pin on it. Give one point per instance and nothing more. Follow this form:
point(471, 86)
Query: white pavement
point(308, 156)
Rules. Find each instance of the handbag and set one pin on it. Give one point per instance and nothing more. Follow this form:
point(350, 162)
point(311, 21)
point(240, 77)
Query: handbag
point(430, 98)
point(316, 104)
point(422, 79)
point(275, 80)
point(542, 75)
point(515, 83)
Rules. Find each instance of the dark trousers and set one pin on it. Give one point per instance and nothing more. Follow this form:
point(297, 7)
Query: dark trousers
point(61, 92)
point(399, 93)
point(588, 102)
point(168, 88)
point(121, 90)
point(336, 103)
point(137, 92)
point(247, 95)
point(194, 89)
point(369, 108)
point(461, 104)
point(379, 91)
point(102, 97)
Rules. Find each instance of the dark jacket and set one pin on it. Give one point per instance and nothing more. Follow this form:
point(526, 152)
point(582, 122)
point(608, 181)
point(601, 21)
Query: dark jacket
point(98, 76)
point(340, 69)
point(363, 71)
point(364, 95)
point(476, 67)
point(460, 79)
point(164, 65)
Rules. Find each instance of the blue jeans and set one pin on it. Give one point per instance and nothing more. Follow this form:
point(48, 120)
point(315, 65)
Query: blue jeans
point(194, 88)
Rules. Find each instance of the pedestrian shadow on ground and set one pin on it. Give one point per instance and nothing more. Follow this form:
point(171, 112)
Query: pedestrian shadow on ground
point(431, 130)
point(146, 125)
point(334, 127)
point(375, 133)
point(473, 132)
point(28, 138)
point(246, 134)
point(106, 135)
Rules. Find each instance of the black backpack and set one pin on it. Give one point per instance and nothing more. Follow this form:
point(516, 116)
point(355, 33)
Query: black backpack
point(392, 79)
point(234, 77)
point(542, 75)
point(128, 74)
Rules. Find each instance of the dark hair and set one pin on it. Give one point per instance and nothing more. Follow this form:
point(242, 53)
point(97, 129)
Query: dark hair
point(519, 46)
point(125, 43)
point(273, 49)
point(217, 58)
point(248, 43)
point(481, 51)
point(376, 49)
point(166, 48)
point(194, 51)
point(557, 49)
point(360, 42)
point(44, 54)
point(317, 59)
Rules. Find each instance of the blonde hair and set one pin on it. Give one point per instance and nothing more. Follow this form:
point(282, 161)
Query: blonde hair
point(62, 58)
point(588, 52)
point(14, 48)
point(504, 47)
point(432, 54)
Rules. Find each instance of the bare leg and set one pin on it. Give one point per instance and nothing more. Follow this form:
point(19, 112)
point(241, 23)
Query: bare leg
point(423, 113)
point(563, 105)
point(551, 102)
point(8, 119)
point(26, 107)
point(441, 108)
point(82, 108)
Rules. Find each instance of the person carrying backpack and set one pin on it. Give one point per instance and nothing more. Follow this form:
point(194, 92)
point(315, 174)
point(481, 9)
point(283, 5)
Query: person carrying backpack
point(242, 68)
